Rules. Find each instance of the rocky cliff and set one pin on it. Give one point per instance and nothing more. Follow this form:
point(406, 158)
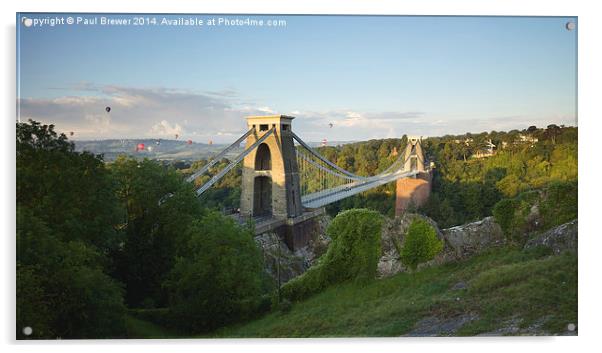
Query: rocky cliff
point(460, 242)
point(279, 258)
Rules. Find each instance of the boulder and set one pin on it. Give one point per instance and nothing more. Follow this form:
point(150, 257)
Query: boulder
point(472, 238)
point(559, 239)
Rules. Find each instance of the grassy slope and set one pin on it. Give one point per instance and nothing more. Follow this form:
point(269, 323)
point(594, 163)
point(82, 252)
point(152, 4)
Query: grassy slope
point(502, 284)
point(137, 328)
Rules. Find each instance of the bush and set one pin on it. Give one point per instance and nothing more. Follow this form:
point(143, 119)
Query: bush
point(353, 254)
point(61, 288)
point(420, 245)
point(560, 203)
point(218, 280)
point(503, 213)
point(557, 205)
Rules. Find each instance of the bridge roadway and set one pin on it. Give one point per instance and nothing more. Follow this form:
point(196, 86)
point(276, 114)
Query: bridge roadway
point(266, 223)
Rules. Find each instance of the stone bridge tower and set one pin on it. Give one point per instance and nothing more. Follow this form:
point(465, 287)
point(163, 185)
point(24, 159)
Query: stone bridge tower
point(270, 176)
point(413, 191)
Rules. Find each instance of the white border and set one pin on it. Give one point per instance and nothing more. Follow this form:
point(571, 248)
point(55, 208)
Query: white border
point(589, 134)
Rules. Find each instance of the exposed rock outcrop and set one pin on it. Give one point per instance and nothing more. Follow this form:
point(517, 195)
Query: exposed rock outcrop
point(471, 238)
point(280, 262)
point(392, 235)
point(559, 239)
point(278, 258)
point(434, 326)
point(459, 242)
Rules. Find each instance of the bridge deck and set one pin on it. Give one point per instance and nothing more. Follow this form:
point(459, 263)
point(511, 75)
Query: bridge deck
point(267, 223)
point(328, 196)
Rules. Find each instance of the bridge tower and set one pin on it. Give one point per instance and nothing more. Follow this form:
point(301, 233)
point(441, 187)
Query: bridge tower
point(270, 176)
point(413, 191)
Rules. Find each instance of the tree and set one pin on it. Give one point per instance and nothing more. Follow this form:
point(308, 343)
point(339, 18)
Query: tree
point(66, 212)
point(503, 212)
point(71, 191)
point(217, 280)
point(160, 206)
point(420, 244)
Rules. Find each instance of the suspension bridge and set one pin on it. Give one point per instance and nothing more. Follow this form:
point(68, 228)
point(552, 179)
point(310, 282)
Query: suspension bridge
point(286, 183)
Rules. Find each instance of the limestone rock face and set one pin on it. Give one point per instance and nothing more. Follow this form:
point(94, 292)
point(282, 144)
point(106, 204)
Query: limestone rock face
point(559, 239)
point(471, 238)
point(278, 258)
point(392, 236)
point(459, 242)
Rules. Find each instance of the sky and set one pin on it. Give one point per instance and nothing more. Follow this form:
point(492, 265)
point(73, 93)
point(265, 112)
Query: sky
point(370, 76)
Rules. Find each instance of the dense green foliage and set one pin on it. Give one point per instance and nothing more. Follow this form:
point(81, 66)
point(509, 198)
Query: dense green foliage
point(420, 244)
point(66, 209)
point(352, 255)
point(466, 188)
point(225, 194)
point(504, 285)
point(217, 279)
point(92, 238)
point(535, 211)
point(154, 225)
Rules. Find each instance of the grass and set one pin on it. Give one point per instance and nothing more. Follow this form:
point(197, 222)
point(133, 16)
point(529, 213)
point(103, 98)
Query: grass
point(502, 285)
point(137, 328)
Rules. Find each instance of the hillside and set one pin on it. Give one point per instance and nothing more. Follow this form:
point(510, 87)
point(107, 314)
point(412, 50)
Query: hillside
point(153, 149)
point(503, 291)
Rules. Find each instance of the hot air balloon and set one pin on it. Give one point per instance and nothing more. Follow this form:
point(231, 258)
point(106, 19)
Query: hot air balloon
point(158, 142)
point(177, 136)
point(150, 148)
point(331, 125)
point(189, 142)
point(108, 109)
point(210, 142)
point(140, 147)
point(71, 133)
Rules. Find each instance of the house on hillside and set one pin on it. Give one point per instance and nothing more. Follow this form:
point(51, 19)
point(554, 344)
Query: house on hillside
point(487, 150)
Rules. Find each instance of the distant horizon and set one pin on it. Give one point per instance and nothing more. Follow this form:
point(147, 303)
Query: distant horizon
point(371, 77)
point(333, 142)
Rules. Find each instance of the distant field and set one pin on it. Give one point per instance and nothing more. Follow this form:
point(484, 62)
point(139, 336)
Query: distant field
point(163, 149)
point(159, 149)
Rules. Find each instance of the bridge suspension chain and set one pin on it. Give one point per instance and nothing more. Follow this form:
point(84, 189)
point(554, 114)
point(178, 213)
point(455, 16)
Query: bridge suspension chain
point(219, 156)
point(234, 162)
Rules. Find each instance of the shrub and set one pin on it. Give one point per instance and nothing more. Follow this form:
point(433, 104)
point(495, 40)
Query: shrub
point(503, 213)
point(353, 254)
point(559, 204)
point(61, 288)
point(218, 280)
point(420, 245)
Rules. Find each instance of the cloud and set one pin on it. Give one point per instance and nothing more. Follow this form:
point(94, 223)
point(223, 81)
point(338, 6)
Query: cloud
point(165, 129)
point(219, 116)
point(142, 113)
